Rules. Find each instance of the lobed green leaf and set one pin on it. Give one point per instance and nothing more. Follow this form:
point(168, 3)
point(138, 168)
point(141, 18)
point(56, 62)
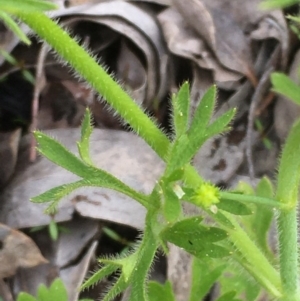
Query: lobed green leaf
point(171, 203)
point(57, 291)
point(221, 124)
point(196, 238)
point(98, 276)
point(116, 289)
point(58, 154)
point(181, 108)
point(203, 114)
point(234, 207)
point(43, 293)
point(204, 276)
point(157, 291)
point(181, 153)
point(143, 264)
point(55, 194)
point(25, 297)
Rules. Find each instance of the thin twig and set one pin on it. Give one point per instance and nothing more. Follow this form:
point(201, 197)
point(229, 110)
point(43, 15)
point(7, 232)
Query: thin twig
point(38, 87)
point(259, 93)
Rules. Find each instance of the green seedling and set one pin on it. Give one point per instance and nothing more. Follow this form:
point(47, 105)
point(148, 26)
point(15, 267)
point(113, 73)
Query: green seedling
point(238, 240)
point(53, 229)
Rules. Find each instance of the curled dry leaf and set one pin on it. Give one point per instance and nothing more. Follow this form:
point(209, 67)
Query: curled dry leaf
point(183, 41)
point(221, 33)
point(141, 29)
point(17, 250)
point(132, 73)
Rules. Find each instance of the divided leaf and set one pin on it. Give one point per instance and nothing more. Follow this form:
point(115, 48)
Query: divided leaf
point(146, 254)
point(181, 154)
point(58, 154)
point(181, 107)
point(203, 113)
point(204, 275)
point(221, 124)
point(98, 276)
point(103, 180)
point(196, 238)
point(159, 291)
point(234, 207)
point(171, 203)
point(187, 144)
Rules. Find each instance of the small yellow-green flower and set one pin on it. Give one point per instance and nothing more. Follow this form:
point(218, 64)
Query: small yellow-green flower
point(206, 195)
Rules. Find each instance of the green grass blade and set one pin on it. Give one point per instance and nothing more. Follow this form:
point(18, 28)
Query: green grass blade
point(84, 143)
point(13, 26)
point(283, 85)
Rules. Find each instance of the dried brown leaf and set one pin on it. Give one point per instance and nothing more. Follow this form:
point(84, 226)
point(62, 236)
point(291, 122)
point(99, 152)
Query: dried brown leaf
point(17, 250)
point(223, 35)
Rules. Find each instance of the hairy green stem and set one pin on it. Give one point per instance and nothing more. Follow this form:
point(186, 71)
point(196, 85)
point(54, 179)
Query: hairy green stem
point(288, 236)
point(287, 194)
point(101, 81)
point(87, 67)
point(258, 264)
point(250, 199)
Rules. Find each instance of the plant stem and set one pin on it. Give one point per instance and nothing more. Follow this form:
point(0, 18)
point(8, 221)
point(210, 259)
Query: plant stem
point(287, 228)
point(88, 68)
point(101, 81)
point(250, 199)
point(258, 264)
point(287, 193)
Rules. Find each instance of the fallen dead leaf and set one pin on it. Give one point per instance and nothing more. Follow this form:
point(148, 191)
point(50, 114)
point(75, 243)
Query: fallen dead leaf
point(17, 250)
point(221, 33)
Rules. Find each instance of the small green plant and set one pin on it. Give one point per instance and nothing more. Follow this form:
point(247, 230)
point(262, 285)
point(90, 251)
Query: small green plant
point(56, 292)
point(53, 229)
point(242, 217)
